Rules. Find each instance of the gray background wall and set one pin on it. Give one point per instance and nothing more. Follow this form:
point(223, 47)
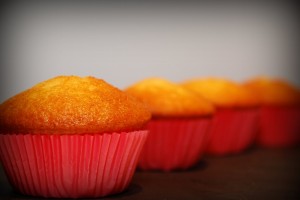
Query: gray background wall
point(125, 42)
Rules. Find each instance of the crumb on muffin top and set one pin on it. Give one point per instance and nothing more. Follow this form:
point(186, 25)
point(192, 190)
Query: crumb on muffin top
point(167, 99)
point(274, 91)
point(72, 105)
point(221, 92)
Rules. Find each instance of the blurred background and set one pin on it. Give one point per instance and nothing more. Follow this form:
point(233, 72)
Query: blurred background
point(123, 42)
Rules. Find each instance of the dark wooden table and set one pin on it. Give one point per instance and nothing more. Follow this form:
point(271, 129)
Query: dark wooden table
point(255, 174)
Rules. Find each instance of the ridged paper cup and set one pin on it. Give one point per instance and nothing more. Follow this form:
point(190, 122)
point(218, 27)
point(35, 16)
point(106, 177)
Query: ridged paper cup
point(71, 166)
point(174, 144)
point(279, 127)
point(232, 131)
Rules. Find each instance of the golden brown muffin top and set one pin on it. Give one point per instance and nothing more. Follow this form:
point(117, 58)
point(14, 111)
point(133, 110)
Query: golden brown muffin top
point(167, 99)
point(72, 105)
point(221, 92)
point(274, 91)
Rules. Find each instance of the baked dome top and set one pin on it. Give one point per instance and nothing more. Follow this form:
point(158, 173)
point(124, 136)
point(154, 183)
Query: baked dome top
point(72, 105)
point(167, 99)
point(274, 91)
point(222, 92)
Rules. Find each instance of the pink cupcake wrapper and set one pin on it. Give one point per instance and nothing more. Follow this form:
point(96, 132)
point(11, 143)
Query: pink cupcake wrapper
point(71, 166)
point(174, 143)
point(279, 126)
point(232, 131)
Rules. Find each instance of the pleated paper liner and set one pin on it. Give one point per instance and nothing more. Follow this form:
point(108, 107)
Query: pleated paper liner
point(279, 127)
point(232, 131)
point(174, 144)
point(71, 166)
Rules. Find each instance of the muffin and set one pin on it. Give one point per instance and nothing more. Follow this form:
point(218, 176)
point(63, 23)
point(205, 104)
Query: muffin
point(235, 123)
point(279, 111)
point(71, 137)
point(178, 128)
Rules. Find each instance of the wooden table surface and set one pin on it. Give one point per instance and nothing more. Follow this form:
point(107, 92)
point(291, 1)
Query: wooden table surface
point(256, 174)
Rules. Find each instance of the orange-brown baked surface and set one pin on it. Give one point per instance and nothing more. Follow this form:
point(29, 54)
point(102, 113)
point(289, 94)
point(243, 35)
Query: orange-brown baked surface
point(222, 92)
point(167, 99)
point(72, 105)
point(274, 91)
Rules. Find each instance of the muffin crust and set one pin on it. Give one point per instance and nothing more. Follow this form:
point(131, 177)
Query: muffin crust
point(222, 92)
point(271, 91)
point(72, 105)
point(167, 99)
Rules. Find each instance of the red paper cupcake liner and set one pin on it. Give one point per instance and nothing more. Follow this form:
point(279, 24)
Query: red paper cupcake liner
point(232, 131)
point(279, 126)
point(71, 166)
point(174, 143)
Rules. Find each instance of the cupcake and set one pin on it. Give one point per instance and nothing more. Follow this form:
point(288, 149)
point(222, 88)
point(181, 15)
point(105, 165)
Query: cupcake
point(279, 111)
point(235, 122)
point(71, 137)
point(178, 128)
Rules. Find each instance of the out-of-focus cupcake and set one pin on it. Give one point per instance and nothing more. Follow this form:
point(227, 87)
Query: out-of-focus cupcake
point(178, 128)
point(235, 122)
point(71, 137)
point(279, 112)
